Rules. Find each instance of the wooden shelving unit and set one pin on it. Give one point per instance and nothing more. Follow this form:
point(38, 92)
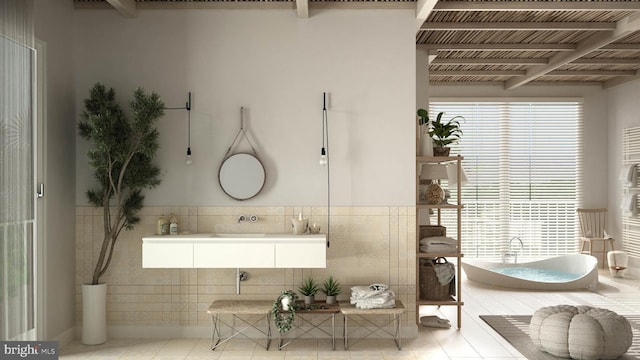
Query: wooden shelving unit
point(438, 210)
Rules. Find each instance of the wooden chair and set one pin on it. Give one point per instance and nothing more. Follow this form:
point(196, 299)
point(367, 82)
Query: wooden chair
point(593, 223)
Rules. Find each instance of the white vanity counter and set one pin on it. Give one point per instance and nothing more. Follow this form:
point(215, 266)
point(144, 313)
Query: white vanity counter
point(234, 251)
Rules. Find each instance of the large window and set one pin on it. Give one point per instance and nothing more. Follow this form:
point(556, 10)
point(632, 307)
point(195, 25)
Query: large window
point(523, 161)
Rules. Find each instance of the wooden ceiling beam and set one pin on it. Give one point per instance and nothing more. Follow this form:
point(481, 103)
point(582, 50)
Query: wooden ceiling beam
point(477, 73)
point(497, 47)
point(607, 61)
point(624, 27)
point(591, 73)
point(126, 8)
point(621, 47)
point(518, 26)
point(488, 61)
point(537, 6)
point(302, 8)
point(423, 10)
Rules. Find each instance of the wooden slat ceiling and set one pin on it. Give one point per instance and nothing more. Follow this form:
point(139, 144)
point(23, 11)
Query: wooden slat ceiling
point(515, 43)
point(507, 42)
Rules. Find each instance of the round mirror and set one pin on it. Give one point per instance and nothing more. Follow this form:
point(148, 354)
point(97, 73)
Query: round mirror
point(241, 176)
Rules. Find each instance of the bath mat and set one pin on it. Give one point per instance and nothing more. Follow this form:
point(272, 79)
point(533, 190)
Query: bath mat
point(515, 329)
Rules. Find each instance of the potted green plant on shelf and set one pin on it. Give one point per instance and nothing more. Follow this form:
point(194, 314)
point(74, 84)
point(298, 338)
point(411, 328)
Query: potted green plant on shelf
point(331, 288)
point(121, 157)
point(284, 310)
point(442, 133)
point(309, 289)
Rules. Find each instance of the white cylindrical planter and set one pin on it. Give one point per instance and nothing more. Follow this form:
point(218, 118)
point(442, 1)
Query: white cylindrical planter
point(426, 145)
point(285, 303)
point(617, 261)
point(94, 314)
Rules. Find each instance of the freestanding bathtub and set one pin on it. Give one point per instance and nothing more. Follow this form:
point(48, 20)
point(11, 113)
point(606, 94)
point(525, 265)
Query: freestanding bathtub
point(583, 267)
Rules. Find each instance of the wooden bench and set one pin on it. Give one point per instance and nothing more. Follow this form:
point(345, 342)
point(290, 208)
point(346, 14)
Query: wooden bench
point(319, 308)
point(349, 310)
point(238, 308)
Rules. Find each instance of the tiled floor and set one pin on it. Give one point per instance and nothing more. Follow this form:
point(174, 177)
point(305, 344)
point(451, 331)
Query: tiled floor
point(475, 340)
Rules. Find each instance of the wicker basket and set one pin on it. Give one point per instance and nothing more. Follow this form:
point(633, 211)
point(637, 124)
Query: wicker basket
point(430, 287)
point(432, 230)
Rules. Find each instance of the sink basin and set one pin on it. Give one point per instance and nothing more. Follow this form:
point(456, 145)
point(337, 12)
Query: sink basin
point(238, 235)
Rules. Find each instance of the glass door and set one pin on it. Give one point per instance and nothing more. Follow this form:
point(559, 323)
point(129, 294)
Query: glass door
point(17, 186)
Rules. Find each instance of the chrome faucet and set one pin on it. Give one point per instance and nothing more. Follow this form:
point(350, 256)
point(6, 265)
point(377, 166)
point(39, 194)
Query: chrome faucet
point(511, 253)
point(241, 219)
point(519, 240)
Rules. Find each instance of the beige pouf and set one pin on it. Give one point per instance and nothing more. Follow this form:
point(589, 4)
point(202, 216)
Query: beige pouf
point(580, 332)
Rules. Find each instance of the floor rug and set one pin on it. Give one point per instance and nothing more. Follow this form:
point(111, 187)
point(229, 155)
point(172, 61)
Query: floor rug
point(515, 329)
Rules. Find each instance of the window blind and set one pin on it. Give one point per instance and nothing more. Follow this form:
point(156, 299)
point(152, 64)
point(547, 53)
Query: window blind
point(523, 161)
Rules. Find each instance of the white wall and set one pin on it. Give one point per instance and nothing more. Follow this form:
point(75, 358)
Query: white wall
point(277, 66)
point(623, 113)
point(53, 26)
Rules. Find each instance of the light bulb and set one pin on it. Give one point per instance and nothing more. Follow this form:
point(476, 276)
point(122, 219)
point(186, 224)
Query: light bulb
point(323, 157)
point(189, 156)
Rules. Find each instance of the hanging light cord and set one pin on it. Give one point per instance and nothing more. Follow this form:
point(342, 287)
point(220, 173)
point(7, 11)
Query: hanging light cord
point(325, 136)
point(187, 106)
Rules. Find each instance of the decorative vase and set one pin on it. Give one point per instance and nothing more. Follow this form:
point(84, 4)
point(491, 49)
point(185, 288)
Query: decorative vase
point(426, 144)
point(331, 299)
point(434, 194)
point(94, 314)
point(441, 151)
point(309, 299)
point(300, 226)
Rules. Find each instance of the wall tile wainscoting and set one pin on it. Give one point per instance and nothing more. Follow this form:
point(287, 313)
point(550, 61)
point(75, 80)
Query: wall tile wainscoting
point(368, 245)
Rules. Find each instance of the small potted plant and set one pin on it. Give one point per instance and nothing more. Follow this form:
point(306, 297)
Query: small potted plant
point(284, 310)
point(309, 289)
point(331, 288)
point(442, 133)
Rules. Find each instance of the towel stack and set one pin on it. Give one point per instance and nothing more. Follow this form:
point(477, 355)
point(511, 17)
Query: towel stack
point(374, 296)
point(442, 244)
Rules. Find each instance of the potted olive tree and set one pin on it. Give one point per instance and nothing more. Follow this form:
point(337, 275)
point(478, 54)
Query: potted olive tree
point(442, 133)
point(121, 157)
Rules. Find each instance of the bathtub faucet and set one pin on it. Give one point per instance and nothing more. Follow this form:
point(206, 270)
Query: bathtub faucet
point(509, 254)
point(519, 240)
